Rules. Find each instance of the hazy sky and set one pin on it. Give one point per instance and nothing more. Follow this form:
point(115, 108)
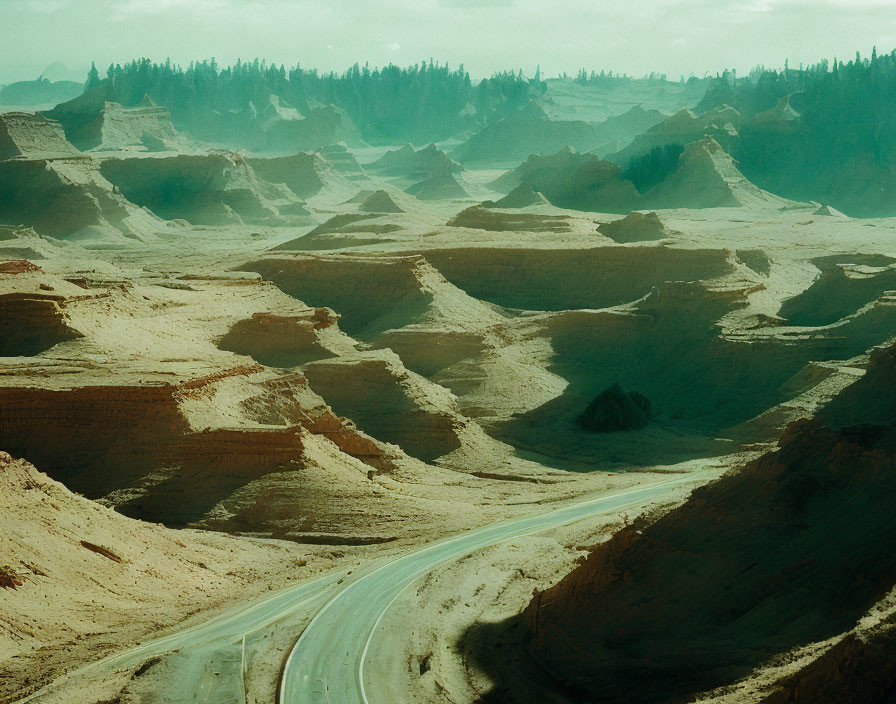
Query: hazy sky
point(634, 36)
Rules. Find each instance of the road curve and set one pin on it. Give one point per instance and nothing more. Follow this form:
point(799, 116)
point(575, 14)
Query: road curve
point(327, 664)
point(201, 645)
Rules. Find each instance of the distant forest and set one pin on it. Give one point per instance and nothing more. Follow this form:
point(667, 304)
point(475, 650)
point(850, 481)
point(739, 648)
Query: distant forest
point(607, 79)
point(834, 88)
point(424, 102)
point(833, 137)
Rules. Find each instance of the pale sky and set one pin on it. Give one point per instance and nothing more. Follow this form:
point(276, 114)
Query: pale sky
point(635, 36)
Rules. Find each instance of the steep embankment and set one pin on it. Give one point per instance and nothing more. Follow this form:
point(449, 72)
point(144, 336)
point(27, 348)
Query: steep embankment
point(209, 189)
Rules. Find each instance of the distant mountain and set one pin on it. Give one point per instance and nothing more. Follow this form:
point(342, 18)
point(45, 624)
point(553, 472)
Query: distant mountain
point(57, 71)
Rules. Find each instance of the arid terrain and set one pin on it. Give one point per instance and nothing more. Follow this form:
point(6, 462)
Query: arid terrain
point(257, 357)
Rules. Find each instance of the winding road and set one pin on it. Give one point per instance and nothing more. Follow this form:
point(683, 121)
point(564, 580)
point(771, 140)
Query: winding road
point(208, 659)
point(334, 660)
point(337, 659)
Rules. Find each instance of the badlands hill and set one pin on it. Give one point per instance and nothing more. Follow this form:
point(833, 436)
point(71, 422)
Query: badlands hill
point(703, 176)
point(522, 196)
point(416, 163)
point(532, 131)
point(684, 127)
point(440, 186)
point(120, 190)
point(99, 117)
point(572, 180)
point(92, 122)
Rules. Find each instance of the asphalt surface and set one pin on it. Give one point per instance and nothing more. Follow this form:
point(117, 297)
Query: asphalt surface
point(335, 659)
point(207, 661)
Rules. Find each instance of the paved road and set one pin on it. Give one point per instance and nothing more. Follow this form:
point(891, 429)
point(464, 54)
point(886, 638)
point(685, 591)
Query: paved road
point(209, 662)
point(327, 665)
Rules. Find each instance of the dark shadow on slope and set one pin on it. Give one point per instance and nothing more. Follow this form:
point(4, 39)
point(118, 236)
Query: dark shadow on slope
point(371, 393)
point(702, 386)
point(846, 283)
point(32, 324)
point(791, 550)
point(280, 340)
point(567, 279)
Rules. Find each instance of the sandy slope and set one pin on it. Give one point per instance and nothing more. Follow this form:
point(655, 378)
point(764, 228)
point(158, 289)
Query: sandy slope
point(80, 580)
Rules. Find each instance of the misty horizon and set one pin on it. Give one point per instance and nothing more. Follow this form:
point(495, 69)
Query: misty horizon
point(673, 37)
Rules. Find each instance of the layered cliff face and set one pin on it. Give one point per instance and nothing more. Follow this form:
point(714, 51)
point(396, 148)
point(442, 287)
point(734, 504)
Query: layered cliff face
point(536, 279)
point(143, 127)
point(33, 303)
point(845, 285)
point(158, 452)
point(212, 189)
point(23, 135)
point(171, 438)
point(32, 311)
point(69, 198)
point(372, 294)
point(93, 123)
point(305, 174)
point(379, 394)
point(342, 161)
point(789, 551)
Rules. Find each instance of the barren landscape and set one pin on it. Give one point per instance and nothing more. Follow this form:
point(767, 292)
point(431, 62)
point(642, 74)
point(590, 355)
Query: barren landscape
point(395, 386)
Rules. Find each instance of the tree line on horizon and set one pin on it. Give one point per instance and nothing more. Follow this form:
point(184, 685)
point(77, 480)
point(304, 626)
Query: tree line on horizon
point(424, 102)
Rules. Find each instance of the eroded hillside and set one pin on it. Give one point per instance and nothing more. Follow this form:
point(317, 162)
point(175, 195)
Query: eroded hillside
point(319, 354)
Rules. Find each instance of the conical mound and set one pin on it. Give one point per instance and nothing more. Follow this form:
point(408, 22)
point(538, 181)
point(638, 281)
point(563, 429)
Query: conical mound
point(635, 227)
point(379, 202)
point(521, 197)
point(707, 177)
point(442, 186)
point(828, 211)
